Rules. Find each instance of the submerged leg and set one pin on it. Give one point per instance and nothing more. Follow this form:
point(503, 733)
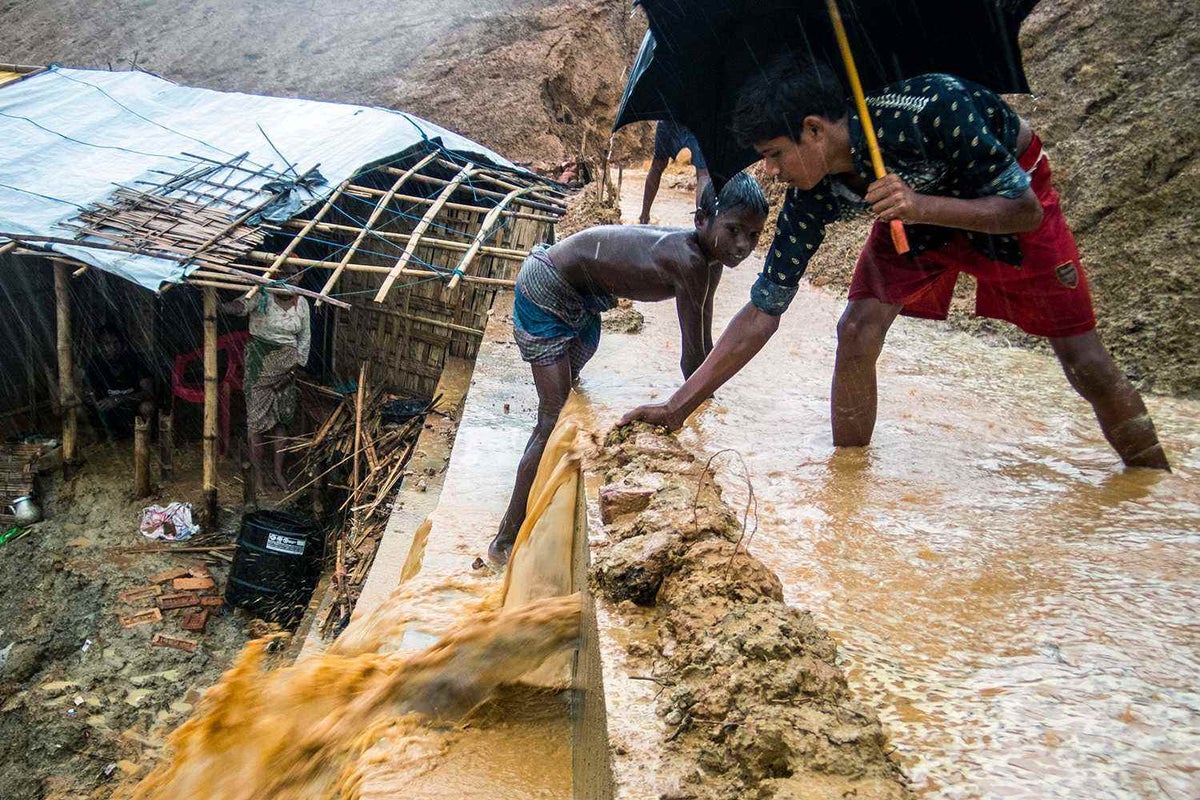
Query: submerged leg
point(861, 331)
point(1119, 408)
point(553, 382)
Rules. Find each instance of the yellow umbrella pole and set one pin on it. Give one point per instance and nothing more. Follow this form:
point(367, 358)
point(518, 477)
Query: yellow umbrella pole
point(899, 239)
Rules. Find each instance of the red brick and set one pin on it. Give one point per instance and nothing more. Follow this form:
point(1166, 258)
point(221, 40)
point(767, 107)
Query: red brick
point(192, 584)
point(178, 600)
point(196, 621)
point(168, 574)
point(177, 642)
point(142, 617)
point(140, 593)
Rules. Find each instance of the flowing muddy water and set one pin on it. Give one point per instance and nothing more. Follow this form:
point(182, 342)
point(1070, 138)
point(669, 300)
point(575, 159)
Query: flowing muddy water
point(1019, 608)
point(451, 687)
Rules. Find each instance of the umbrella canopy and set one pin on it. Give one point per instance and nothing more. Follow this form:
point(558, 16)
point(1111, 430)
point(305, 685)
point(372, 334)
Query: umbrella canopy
point(698, 54)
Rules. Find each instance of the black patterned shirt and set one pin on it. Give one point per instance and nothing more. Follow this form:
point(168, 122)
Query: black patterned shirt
point(943, 136)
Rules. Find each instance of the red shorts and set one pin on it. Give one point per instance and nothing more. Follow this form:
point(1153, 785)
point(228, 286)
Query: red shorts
point(1046, 296)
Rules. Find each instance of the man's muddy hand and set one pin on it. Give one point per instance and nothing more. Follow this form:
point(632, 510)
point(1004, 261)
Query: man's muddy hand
point(655, 414)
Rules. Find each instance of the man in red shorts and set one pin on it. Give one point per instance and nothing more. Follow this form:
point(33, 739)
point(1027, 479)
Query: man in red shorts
point(972, 183)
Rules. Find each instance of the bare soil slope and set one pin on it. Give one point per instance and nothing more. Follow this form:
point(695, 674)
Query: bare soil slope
point(526, 77)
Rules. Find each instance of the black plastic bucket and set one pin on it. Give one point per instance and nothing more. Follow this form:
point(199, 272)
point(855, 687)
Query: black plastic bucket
point(276, 566)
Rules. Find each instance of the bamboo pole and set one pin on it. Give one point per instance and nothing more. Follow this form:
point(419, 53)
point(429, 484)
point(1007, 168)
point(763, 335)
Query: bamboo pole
point(358, 410)
point(377, 269)
point(545, 192)
point(68, 395)
point(419, 230)
point(899, 238)
point(551, 205)
point(141, 456)
point(485, 230)
point(210, 404)
point(391, 312)
point(375, 214)
point(425, 201)
point(166, 445)
point(299, 237)
point(426, 241)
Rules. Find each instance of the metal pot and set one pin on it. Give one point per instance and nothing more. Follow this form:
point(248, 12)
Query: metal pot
point(26, 510)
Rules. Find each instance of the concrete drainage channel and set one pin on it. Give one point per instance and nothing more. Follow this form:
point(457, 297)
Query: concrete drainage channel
point(692, 678)
point(525, 743)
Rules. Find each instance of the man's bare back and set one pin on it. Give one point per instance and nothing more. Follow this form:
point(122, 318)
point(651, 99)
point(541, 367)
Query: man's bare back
point(640, 263)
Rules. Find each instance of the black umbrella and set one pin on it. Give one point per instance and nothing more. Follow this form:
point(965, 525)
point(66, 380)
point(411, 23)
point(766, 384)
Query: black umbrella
point(698, 54)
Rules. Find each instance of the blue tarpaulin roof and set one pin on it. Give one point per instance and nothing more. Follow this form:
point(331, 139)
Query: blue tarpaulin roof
point(70, 137)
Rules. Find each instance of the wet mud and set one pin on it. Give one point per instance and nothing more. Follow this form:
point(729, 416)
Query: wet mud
point(753, 701)
point(85, 702)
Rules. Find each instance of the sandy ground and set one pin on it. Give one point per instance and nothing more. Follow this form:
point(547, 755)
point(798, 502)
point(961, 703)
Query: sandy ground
point(84, 701)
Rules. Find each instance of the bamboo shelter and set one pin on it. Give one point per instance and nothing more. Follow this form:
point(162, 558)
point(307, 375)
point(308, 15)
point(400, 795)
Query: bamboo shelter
point(402, 231)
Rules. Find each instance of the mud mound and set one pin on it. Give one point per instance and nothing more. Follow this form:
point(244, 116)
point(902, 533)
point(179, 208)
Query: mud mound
point(755, 703)
point(623, 319)
point(534, 84)
point(585, 210)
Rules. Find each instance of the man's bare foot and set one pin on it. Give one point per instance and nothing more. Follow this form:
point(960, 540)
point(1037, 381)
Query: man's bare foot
point(281, 482)
point(498, 552)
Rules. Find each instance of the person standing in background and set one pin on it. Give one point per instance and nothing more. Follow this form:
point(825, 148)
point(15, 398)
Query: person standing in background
point(669, 139)
point(280, 338)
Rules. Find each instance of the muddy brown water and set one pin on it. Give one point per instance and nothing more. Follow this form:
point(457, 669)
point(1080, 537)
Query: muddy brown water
point(1019, 608)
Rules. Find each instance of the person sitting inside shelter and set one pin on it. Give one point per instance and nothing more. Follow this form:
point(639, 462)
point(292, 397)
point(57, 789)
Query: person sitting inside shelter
point(561, 290)
point(280, 338)
point(671, 138)
point(119, 386)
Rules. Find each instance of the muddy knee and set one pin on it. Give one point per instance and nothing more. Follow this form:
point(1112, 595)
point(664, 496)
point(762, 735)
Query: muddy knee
point(1095, 377)
point(860, 335)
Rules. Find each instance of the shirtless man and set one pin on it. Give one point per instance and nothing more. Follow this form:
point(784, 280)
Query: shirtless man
point(562, 289)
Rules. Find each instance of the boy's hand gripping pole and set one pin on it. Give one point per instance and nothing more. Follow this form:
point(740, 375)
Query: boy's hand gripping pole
point(899, 239)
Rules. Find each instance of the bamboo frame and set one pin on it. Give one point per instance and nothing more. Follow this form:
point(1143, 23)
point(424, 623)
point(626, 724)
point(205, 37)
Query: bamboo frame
point(225, 272)
point(380, 207)
point(558, 208)
point(485, 230)
point(210, 404)
point(419, 230)
point(539, 194)
point(426, 241)
point(358, 412)
point(378, 270)
point(299, 237)
point(68, 394)
point(417, 200)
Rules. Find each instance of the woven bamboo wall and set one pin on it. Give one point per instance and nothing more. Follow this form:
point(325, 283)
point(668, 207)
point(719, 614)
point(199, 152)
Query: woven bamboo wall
point(402, 353)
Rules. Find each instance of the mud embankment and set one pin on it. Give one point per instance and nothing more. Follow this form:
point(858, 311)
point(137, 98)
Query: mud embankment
point(753, 702)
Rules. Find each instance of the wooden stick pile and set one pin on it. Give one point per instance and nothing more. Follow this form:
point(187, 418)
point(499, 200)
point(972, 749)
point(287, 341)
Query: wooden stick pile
point(356, 451)
point(145, 221)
